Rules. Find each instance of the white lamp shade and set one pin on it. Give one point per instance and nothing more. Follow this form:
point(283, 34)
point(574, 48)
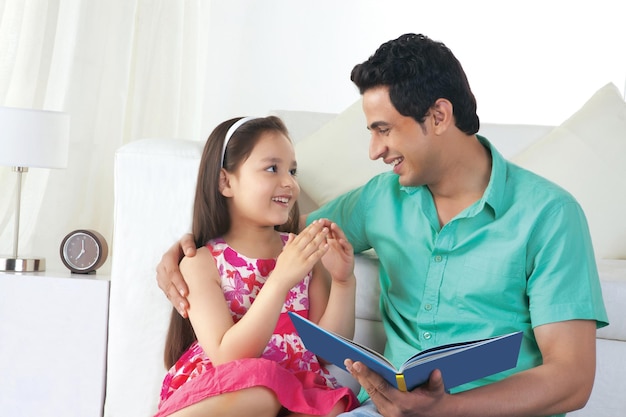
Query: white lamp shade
point(34, 138)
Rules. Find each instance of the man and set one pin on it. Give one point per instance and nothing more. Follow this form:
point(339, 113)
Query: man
point(470, 246)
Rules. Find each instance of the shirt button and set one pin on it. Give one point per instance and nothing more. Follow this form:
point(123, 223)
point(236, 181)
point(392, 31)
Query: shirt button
point(427, 335)
point(428, 307)
point(438, 258)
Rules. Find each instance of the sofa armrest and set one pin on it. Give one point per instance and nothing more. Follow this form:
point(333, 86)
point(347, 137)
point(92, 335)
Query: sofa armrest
point(154, 187)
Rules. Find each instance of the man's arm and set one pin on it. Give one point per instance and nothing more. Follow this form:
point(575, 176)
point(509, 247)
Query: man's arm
point(562, 383)
point(170, 279)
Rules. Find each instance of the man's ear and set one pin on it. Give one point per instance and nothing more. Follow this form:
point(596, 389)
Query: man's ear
point(443, 116)
point(225, 184)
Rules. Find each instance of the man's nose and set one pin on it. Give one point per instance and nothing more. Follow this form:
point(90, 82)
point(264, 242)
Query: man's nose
point(377, 148)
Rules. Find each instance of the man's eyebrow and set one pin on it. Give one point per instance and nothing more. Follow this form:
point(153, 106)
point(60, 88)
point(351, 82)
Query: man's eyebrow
point(378, 124)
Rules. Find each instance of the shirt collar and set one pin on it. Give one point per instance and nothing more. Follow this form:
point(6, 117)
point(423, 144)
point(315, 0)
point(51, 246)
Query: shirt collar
point(494, 193)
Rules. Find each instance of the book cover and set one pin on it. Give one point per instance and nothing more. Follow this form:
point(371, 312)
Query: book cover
point(459, 363)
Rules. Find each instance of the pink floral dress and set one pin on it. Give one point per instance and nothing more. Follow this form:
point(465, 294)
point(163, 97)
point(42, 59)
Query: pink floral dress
point(286, 367)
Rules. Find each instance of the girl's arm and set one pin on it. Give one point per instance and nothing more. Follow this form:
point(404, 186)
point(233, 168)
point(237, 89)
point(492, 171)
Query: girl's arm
point(220, 338)
point(218, 335)
point(334, 310)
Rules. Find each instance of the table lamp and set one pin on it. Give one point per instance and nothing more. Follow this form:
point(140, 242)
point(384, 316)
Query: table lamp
point(30, 138)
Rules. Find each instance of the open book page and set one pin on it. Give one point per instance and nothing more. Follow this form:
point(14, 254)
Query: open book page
point(445, 350)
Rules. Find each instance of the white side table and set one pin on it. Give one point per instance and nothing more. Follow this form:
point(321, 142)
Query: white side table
point(53, 344)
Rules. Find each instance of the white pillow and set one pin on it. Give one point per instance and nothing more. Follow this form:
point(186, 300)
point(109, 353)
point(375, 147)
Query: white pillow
point(586, 156)
point(510, 139)
point(335, 159)
point(301, 123)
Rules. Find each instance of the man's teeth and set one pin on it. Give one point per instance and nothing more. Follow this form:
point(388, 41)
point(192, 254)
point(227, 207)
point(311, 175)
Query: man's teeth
point(395, 162)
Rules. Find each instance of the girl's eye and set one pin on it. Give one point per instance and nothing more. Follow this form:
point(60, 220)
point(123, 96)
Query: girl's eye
point(273, 168)
point(293, 172)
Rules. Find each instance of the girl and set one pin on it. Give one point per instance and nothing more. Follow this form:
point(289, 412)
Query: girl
point(238, 353)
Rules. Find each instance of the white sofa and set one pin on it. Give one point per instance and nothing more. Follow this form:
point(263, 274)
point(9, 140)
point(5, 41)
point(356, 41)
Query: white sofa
point(154, 186)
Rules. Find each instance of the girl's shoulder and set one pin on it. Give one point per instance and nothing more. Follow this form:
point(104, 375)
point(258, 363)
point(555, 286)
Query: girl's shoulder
point(199, 261)
point(217, 243)
point(221, 251)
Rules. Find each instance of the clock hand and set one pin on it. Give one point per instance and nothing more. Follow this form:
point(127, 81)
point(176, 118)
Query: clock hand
point(82, 250)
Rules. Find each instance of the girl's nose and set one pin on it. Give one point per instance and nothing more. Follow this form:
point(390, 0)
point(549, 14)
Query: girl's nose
point(289, 181)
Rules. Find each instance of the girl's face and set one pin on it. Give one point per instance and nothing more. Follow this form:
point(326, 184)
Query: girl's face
point(264, 189)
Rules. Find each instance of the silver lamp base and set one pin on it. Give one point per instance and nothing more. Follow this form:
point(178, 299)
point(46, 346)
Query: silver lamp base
point(22, 265)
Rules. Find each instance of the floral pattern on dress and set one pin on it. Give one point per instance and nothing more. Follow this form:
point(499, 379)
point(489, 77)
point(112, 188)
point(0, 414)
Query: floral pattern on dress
point(242, 278)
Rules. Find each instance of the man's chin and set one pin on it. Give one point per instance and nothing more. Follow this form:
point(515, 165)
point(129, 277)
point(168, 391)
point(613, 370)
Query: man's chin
point(403, 180)
point(406, 181)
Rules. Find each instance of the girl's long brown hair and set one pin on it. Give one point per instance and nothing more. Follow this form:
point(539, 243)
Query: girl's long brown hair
point(211, 218)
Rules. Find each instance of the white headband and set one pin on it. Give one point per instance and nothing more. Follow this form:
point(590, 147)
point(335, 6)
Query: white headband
point(230, 133)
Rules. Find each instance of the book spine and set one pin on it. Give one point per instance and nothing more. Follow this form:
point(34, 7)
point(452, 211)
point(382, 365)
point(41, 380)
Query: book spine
point(401, 383)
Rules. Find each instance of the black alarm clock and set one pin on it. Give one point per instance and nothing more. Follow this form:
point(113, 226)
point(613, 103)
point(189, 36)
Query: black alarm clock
point(83, 251)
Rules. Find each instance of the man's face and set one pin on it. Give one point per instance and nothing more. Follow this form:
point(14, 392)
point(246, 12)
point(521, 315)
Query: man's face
point(399, 140)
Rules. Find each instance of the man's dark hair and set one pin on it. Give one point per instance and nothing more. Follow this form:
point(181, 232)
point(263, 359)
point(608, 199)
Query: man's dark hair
point(418, 72)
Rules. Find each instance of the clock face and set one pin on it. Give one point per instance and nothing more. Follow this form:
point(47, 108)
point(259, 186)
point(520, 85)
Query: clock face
point(81, 251)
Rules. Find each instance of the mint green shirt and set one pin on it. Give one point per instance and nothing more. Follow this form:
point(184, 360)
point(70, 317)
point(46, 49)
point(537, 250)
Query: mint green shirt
point(519, 257)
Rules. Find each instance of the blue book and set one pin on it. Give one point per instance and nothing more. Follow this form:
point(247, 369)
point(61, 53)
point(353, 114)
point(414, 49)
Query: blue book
point(459, 363)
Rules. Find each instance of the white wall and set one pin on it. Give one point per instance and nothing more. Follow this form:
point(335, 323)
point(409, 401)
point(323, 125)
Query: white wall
point(527, 62)
point(533, 63)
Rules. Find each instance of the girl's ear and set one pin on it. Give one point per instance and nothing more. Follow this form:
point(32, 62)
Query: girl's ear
point(225, 184)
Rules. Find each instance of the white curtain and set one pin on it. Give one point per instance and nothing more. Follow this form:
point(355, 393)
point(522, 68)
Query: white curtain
point(123, 70)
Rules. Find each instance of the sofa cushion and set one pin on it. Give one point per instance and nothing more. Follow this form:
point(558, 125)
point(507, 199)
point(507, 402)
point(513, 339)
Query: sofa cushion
point(340, 150)
point(613, 280)
point(302, 124)
point(366, 267)
point(585, 155)
point(335, 159)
